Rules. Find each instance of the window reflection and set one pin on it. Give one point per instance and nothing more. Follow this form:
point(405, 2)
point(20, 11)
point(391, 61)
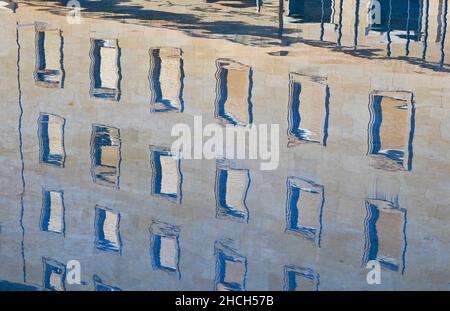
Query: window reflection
point(233, 93)
point(164, 247)
point(300, 279)
point(105, 153)
point(231, 192)
point(52, 215)
point(49, 71)
point(308, 111)
point(54, 275)
point(385, 234)
point(166, 174)
point(391, 130)
point(105, 69)
point(107, 234)
point(304, 206)
point(166, 80)
point(231, 267)
point(99, 286)
point(51, 139)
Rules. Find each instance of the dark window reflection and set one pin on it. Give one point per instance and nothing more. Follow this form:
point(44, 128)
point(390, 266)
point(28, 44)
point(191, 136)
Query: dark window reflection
point(385, 234)
point(231, 267)
point(49, 70)
point(233, 93)
point(166, 80)
point(310, 11)
point(51, 139)
point(105, 153)
point(105, 69)
point(52, 216)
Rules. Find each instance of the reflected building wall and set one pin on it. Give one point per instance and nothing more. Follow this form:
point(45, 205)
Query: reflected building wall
point(342, 166)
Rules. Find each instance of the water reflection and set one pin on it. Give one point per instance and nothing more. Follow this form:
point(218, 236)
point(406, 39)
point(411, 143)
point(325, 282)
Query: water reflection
point(368, 115)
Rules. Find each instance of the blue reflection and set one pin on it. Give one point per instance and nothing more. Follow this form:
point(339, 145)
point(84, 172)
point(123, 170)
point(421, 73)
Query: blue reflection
point(385, 234)
point(102, 287)
point(300, 278)
point(107, 230)
point(232, 187)
point(53, 211)
point(166, 79)
point(49, 70)
point(231, 267)
point(51, 139)
point(54, 275)
point(165, 247)
point(106, 73)
point(311, 11)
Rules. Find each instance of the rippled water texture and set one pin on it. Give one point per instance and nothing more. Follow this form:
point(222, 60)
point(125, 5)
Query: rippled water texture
point(87, 173)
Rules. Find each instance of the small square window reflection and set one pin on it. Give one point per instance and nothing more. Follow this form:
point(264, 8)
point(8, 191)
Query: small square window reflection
point(100, 286)
point(54, 275)
point(300, 279)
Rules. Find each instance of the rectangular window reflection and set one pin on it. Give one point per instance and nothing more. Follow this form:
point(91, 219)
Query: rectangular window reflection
point(231, 192)
point(52, 215)
point(105, 153)
point(166, 174)
point(51, 139)
point(166, 80)
point(233, 93)
point(300, 279)
point(105, 69)
point(391, 130)
point(231, 267)
point(49, 71)
point(308, 111)
point(107, 234)
point(54, 277)
point(165, 248)
point(310, 11)
point(385, 234)
point(304, 205)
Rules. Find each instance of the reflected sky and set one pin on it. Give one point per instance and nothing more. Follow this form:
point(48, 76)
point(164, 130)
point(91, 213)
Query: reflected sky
point(87, 172)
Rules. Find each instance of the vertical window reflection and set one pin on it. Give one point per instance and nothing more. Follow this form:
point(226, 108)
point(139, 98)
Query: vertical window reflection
point(52, 215)
point(233, 93)
point(107, 234)
point(105, 69)
point(49, 71)
point(231, 192)
point(385, 234)
point(231, 267)
point(391, 130)
point(308, 111)
point(164, 247)
point(105, 153)
point(300, 279)
point(166, 80)
point(54, 275)
point(166, 174)
point(51, 139)
point(304, 205)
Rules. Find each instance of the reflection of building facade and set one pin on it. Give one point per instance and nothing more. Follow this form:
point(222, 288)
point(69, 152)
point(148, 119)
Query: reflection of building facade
point(112, 231)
